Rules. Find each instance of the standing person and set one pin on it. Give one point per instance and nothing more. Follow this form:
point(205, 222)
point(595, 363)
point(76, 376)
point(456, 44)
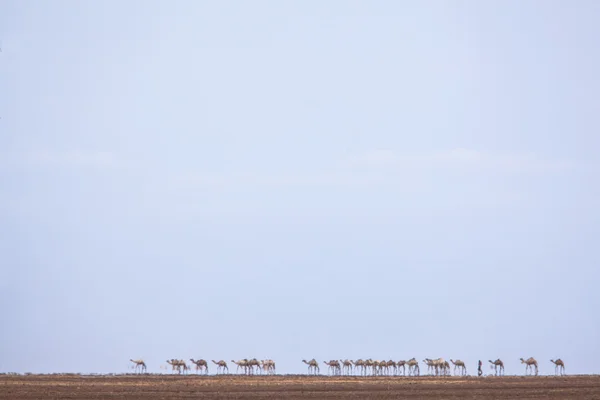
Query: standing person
point(479, 371)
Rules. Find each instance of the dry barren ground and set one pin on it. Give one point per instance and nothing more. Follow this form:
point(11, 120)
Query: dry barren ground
point(295, 387)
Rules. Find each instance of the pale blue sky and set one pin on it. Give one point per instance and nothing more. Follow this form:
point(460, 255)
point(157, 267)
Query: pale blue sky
point(287, 179)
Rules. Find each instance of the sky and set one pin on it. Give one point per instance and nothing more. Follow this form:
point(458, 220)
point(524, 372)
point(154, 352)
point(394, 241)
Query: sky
point(293, 179)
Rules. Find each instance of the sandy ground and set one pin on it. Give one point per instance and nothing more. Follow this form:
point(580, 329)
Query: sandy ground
point(16, 387)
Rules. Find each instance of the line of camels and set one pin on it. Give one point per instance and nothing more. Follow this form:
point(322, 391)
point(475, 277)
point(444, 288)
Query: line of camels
point(436, 367)
point(248, 366)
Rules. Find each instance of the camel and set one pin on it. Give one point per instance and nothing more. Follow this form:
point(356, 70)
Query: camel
point(430, 365)
point(346, 366)
point(139, 363)
point(460, 365)
point(559, 366)
point(445, 367)
point(253, 363)
point(334, 366)
point(530, 363)
point(179, 364)
point(272, 366)
point(376, 367)
point(200, 364)
point(268, 366)
point(369, 363)
point(312, 365)
point(393, 366)
point(383, 368)
point(438, 365)
point(221, 366)
point(173, 363)
point(241, 364)
point(390, 367)
point(402, 364)
point(498, 365)
point(359, 364)
point(183, 366)
point(413, 365)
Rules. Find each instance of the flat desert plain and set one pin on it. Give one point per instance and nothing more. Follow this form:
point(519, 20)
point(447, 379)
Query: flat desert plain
point(148, 387)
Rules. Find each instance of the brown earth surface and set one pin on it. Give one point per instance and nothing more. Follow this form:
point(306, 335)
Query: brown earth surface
point(17, 387)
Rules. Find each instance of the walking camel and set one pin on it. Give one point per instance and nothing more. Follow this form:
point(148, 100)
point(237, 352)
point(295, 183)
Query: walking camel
point(432, 366)
point(375, 366)
point(498, 365)
point(413, 365)
point(445, 367)
point(559, 366)
point(174, 364)
point(530, 363)
point(200, 365)
point(139, 363)
point(241, 364)
point(346, 366)
point(179, 364)
point(334, 365)
point(393, 366)
point(438, 365)
point(460, 365)
point(383, 367)
point(312, 365)
point(221, 366)
point(268, 366)
point(401, 364)
point(184, 367)
point(253, 363)
point(360, 364)
point(369, 363)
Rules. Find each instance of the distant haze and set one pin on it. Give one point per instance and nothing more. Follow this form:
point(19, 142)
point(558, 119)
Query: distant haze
point(293, 179)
